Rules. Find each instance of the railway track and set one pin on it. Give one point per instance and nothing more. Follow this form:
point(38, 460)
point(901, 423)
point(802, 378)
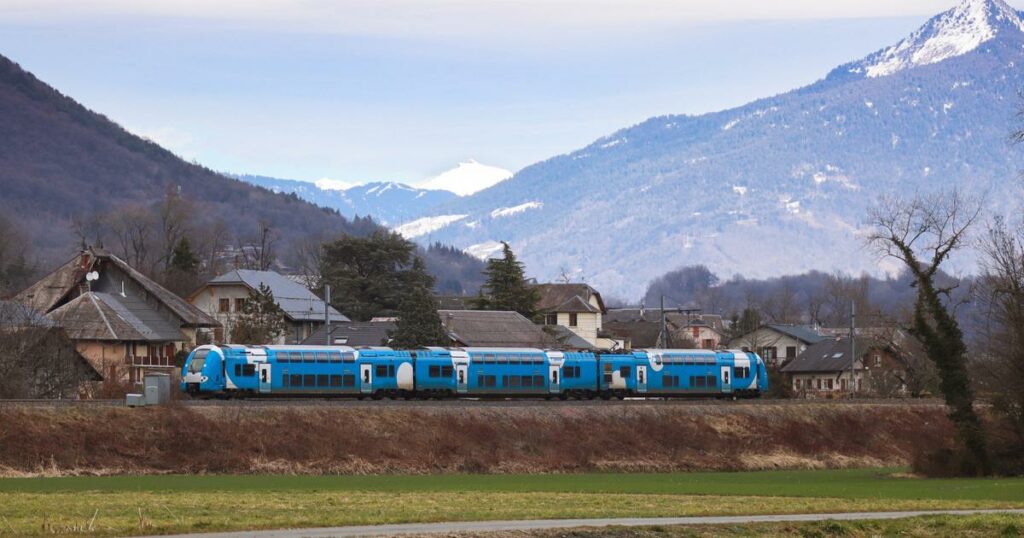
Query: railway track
point(469, 403)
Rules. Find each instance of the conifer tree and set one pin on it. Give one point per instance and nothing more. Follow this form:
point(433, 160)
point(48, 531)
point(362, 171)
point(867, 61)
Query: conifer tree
point(506, 287)
point(418, 322)
point(261, 321)
point(183, 258)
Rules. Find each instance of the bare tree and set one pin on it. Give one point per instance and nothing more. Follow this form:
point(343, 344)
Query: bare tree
point(132, 233)
point(38, 360)
point(922, 233)
point(174, 218)
point(1001, 294)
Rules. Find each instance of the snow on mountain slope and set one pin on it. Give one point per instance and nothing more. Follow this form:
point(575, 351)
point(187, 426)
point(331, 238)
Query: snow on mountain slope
point(953, 33)
point(467, 178)
point(387, 202)
point(425, 225)
point(785, 188)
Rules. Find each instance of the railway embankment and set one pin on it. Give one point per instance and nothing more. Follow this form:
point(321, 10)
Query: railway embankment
point(339, 439)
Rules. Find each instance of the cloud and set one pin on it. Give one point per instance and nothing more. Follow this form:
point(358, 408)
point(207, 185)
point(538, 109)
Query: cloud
point(462, 18)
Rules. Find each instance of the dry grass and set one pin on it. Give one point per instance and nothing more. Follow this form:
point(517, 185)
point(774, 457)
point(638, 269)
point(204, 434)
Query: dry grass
point(388, 440)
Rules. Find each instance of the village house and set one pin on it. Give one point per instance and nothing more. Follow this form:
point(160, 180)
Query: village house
point(123, 323)
point(640, 328)
point(577, 307)
point(777, 343)
point(224, 296)
point(879, 368)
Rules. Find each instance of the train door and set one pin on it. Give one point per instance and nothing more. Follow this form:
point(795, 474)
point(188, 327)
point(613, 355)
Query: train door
point(366, 378)
point(641, 379)
point(554, 380)
point(461, 378)
point(726, 379)
point(264, 373)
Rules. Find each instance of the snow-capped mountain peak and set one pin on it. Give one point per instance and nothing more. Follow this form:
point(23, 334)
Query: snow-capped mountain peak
point(947, 35)
point(467, 178)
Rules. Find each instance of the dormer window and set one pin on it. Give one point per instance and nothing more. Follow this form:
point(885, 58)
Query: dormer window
point(573, 321)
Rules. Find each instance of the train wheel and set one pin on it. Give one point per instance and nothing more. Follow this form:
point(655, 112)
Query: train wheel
point(563, 396)
point(606, 396)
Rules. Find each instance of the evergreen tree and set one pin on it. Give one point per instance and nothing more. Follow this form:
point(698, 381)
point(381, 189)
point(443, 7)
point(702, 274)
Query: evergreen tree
point(261, 321)
point(506, 287)
point(182, 274)
point(418, 322)
point(369, 276)
point(183, 259)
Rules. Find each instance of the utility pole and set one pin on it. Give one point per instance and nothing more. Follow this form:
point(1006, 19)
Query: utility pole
point(327, 314)
point(853, 347)
point(663, 340)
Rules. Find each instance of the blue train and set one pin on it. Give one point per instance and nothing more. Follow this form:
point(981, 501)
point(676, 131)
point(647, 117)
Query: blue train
point(235, 370)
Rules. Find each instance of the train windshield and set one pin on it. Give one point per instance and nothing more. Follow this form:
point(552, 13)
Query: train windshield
point(198, 360)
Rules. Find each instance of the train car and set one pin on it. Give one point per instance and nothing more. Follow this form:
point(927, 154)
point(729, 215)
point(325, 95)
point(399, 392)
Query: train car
point(512, 372)
point(233, 370)
point(681, 372)
point(434, 372)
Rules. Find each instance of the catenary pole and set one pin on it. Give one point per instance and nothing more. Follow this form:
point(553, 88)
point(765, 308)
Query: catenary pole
point(853, 347)
point(327, 314)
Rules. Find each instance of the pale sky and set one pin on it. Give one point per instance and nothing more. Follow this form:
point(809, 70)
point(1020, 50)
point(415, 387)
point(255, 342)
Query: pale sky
point(360, 90)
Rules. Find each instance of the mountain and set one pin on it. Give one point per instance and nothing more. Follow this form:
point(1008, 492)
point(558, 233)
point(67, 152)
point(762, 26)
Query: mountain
point(387, 202)
point(59, 160)
point(778, 186)
point(467, 178)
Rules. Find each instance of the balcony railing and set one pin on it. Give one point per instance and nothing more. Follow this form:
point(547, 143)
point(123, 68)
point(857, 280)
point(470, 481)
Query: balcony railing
point(165, 362)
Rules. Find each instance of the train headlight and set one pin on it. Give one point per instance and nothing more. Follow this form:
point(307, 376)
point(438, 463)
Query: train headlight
point(204, 379)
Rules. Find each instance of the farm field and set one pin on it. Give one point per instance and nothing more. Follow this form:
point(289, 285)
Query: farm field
point(128, 505)
point(930, 526)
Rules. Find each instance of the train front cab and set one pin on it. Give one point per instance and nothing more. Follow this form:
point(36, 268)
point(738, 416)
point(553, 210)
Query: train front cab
point(203, 371)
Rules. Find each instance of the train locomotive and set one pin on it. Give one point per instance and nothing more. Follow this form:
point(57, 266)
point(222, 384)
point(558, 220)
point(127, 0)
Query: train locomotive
point(378, 372)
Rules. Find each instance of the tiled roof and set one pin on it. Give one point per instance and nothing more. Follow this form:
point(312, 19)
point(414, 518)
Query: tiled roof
point(298, 303)
point(355, 334)
point(486, 328)
point(829, 355)
point(804, 333)
point(55, 287)
point(112, 317)
point(568, 298)
point(568, 339)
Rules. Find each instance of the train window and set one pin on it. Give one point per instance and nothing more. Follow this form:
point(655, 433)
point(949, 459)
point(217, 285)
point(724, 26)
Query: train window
point(348, 357)
point(712, 381)
point(335, 380)
point(309, 380)
point(504, 380)
point(446, 371)
point(434, 371)
point(348, 380)
point(296, 380)
point(624, 372)
point(538, 381)
point(308, 357)
point(322, 380)
point(248, 370)
point(391, 370)
point(238, 370)
point(515, 381)
point(321, 356)
point(491, 380)
point(382, 370)
point(527, 381)
point(285, 378)
point(282, 357)
point(335, 356)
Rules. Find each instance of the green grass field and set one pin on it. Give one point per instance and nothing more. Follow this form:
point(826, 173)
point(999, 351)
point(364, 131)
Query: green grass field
point(123, 505)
